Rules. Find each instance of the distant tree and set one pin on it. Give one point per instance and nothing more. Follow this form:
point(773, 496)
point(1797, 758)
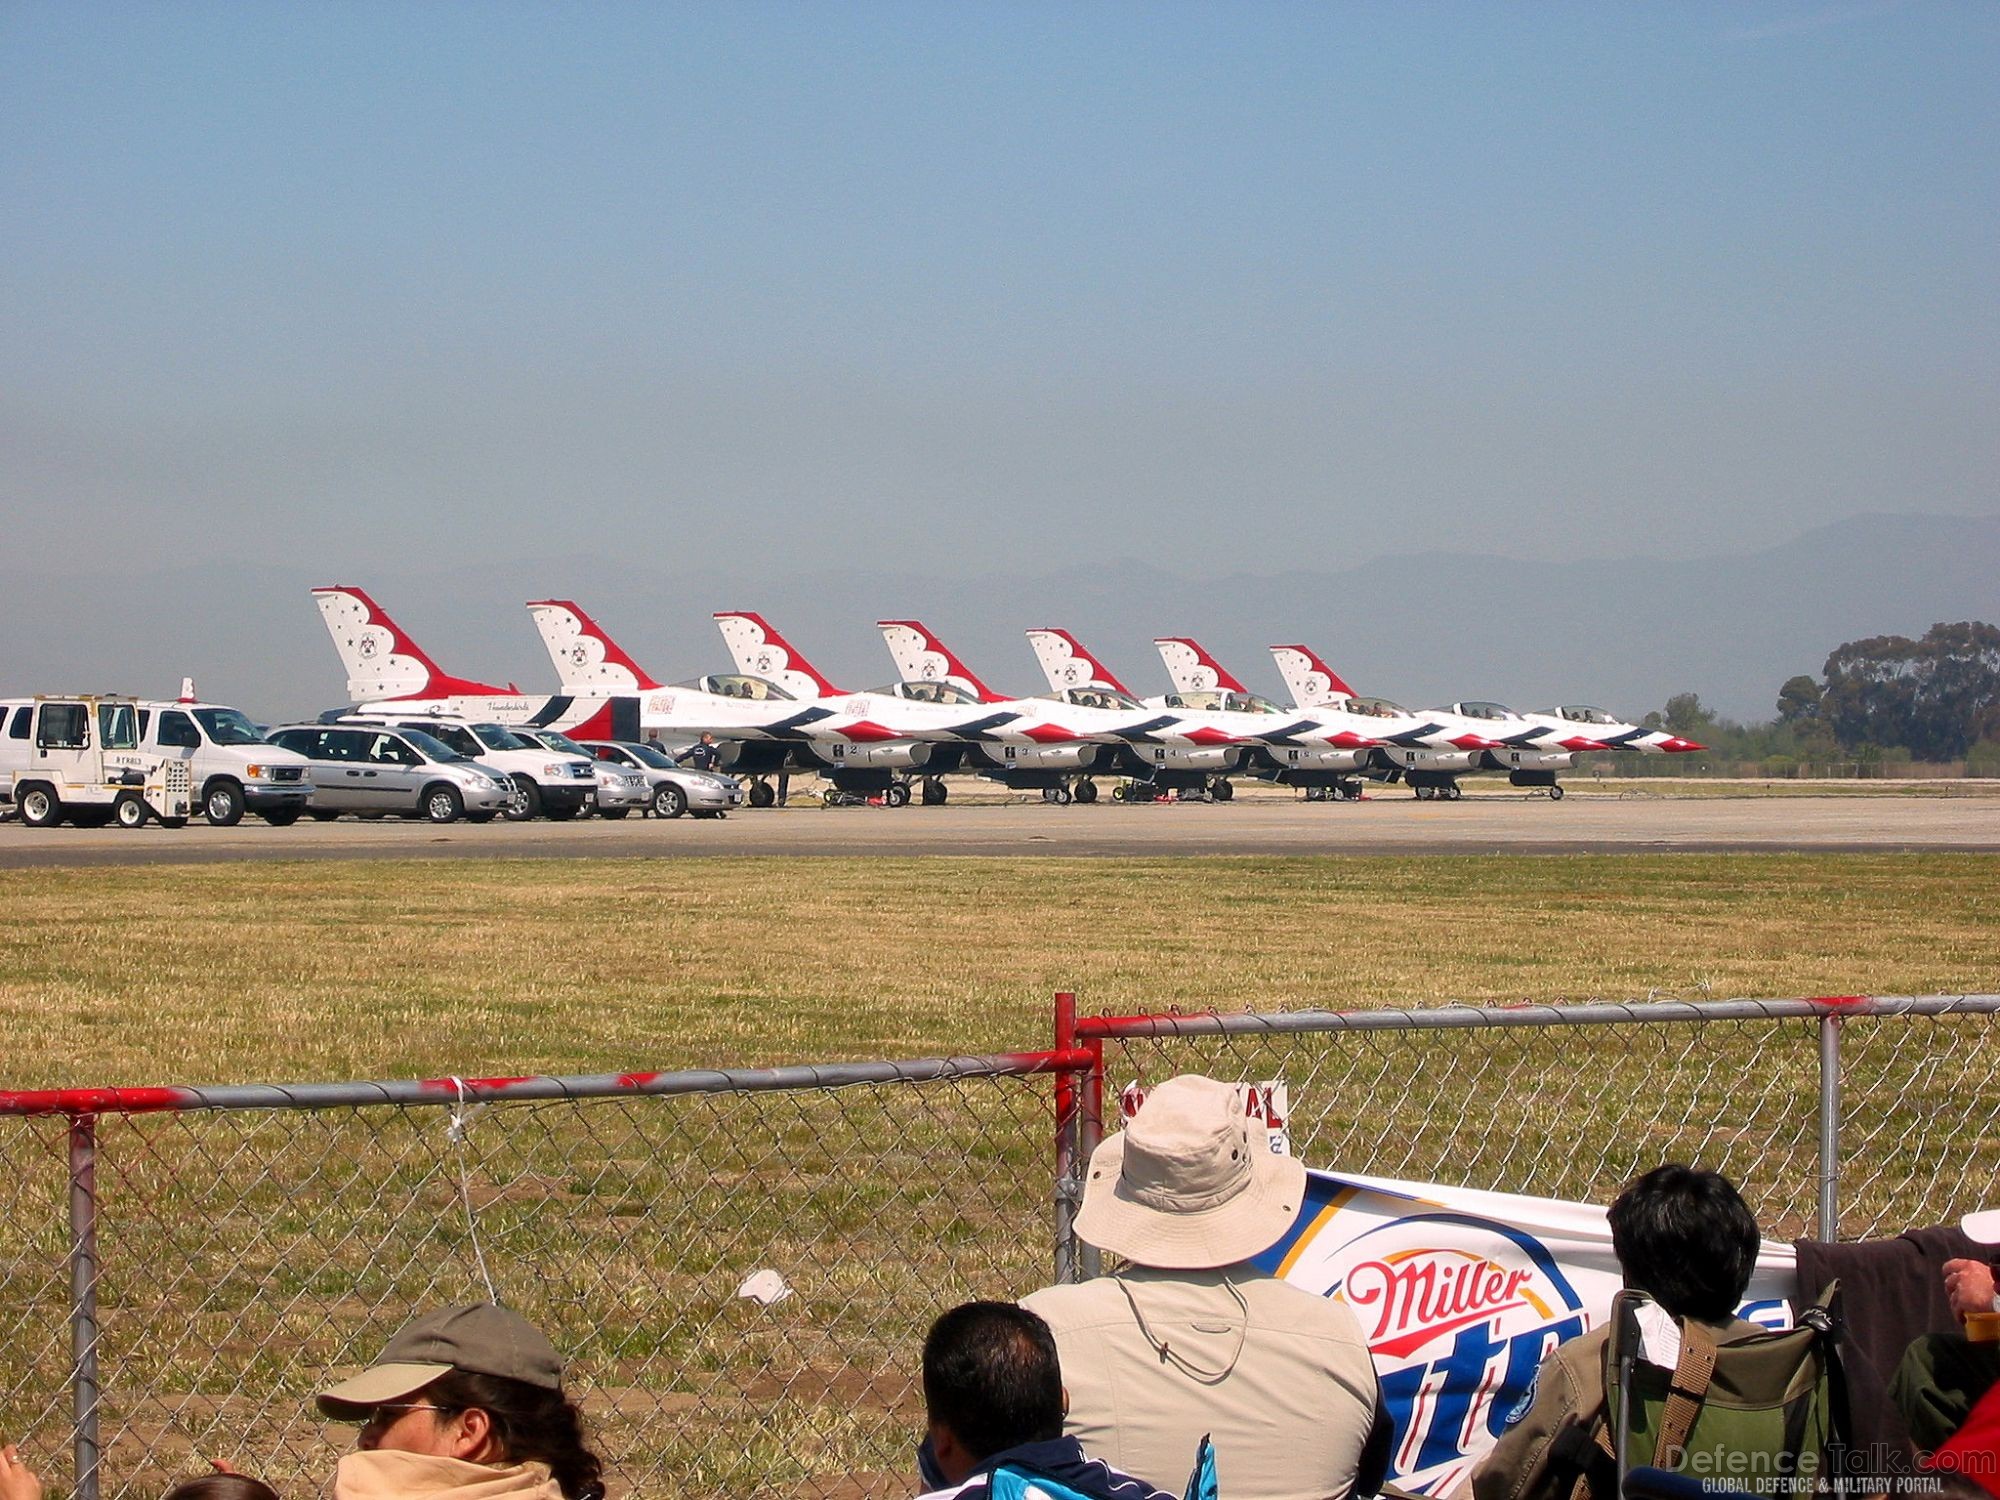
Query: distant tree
point(1684, 715)
point(1798, 700)
point(1937, 697)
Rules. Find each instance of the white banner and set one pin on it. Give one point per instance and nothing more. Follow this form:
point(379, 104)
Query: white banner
point(1461, 1293)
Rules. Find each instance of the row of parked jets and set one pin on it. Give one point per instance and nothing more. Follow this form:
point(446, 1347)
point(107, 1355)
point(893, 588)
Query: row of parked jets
point(776, 714)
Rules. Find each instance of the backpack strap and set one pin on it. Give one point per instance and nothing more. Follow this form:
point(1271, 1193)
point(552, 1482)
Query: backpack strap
point(1685, 1394)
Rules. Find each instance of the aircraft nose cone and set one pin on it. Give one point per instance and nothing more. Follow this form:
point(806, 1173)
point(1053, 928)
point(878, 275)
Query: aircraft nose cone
point(1675, 745)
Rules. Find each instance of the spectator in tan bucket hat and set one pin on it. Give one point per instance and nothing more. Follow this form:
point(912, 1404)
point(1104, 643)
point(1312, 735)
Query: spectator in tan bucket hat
point(1187, 1338)
point(464, 1403)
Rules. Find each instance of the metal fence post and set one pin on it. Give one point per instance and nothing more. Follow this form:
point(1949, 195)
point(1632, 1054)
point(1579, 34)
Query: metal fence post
point(83, 1302)
point(1068, 1184)
point(1829, 1127)
point(1090, 1130)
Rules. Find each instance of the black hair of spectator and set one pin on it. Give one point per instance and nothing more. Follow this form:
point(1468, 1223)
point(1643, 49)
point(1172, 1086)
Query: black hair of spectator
point(1684, 1236)
point(532, 1424)
point(991, 1375)
point(221, 1487)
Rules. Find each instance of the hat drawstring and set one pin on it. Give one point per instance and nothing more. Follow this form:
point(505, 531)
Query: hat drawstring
point(455, 1132)
point(1170, 1355)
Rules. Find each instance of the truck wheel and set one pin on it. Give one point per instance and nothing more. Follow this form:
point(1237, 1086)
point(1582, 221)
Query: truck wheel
point(281, 817)
point(442, 803)
point(222, 804)
point(130, 811)
point(669, 801)
point(613, 813)
point(322, 814)
point(526, 801)
point(40, 806)
point(560, 814)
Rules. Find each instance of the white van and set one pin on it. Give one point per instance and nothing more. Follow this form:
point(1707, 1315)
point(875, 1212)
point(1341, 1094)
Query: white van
point(546, 782)
point(77, 757)
point(232, 767)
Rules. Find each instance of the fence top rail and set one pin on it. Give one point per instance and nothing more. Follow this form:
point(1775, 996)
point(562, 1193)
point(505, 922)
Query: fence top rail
point(1585, 1013)
point(453, 1091)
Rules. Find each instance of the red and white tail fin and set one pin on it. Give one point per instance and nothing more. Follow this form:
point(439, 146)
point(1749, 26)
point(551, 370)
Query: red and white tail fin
point(381, 661)
point(759, 651)
point(1192, 669)
point(1066, 664)
point(922, 657)
point(588, 662)
point(1311, 681)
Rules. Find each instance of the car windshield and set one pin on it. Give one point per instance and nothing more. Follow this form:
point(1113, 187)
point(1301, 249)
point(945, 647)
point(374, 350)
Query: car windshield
point(562, 742)
point(227, 726)
point(493, 737)
point(433, 747)
point(652, 755)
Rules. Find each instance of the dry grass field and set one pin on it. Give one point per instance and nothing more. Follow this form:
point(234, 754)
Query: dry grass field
point(245, 1254)
point(332, 971)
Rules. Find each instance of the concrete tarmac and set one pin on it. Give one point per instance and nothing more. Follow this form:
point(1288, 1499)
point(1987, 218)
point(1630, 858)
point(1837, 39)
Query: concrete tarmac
point(1389, 823)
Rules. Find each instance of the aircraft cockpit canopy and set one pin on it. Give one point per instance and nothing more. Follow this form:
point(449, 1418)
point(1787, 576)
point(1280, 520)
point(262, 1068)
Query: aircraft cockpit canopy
point(1100, 697)
point(738, 685)
point(1580, 713)
point(1377, 708)
point(1214, 699)
point(930, 692)
point(1486, 711)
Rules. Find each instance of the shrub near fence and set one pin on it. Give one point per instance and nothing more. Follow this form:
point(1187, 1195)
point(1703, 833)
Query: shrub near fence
point(183, 1267)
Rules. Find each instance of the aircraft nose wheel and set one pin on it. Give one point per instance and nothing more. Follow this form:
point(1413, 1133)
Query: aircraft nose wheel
point(1555, 794)
point(897, 794)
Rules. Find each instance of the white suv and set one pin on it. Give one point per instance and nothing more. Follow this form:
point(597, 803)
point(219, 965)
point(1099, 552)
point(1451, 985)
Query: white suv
point(618, 791)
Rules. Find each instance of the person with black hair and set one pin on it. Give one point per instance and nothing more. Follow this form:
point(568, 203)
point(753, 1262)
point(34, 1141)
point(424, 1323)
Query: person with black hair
point(1685, 1237)
point(464, 1403)
point(993, 1399)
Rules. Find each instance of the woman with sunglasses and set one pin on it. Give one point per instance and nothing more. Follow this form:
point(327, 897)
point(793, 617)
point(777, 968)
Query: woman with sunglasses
point(465, 1403)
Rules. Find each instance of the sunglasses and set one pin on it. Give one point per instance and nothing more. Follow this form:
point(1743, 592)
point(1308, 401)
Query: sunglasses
point(387, 1412)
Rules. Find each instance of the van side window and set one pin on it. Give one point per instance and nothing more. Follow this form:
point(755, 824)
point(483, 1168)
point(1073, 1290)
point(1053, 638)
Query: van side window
point(64, 726)
point(390, 751)
point(18, 730)
point(177, 731)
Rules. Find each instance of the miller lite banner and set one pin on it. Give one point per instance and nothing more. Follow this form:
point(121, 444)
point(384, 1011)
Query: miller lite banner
point(1460, 1294)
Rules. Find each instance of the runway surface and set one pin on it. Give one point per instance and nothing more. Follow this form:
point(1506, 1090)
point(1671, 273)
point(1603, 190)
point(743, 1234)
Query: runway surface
point(1393, 823)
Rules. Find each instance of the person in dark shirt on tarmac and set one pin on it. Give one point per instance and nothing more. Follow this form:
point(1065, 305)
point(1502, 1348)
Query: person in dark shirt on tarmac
point(703, 755)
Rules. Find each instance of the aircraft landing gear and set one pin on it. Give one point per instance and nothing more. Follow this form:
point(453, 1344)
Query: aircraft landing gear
point(1060, 795)
point(1220, 789)
point(761, 794)
point(1086, 791)
point(897, 794)
point(1555, 794)
point(934, 792)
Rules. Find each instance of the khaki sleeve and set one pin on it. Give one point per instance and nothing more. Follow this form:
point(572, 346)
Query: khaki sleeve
point(1518, 1466)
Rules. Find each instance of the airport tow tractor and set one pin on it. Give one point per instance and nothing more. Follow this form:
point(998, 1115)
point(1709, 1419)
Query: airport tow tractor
point(80, 761)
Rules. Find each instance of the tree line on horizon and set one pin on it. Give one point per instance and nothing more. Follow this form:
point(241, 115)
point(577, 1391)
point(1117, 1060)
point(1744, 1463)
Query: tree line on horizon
point(1880, 700)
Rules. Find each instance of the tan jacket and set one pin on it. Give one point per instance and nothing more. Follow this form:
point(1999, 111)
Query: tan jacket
point(385, 1475)
point(1565, 1401)
point(1152, 1360)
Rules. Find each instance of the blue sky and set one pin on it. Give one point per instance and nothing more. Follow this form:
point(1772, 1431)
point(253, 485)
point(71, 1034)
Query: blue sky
point(966, 284)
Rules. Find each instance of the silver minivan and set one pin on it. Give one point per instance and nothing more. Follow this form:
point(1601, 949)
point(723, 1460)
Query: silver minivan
point(375, 769)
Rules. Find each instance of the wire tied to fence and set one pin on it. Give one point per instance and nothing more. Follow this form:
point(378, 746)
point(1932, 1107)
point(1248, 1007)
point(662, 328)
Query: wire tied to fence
point(457, 1129)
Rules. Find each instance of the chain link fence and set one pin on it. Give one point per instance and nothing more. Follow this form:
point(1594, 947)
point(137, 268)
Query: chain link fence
point(183, 1268)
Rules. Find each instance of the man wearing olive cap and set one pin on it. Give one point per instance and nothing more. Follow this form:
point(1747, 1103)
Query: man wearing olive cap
point(1187, 1338)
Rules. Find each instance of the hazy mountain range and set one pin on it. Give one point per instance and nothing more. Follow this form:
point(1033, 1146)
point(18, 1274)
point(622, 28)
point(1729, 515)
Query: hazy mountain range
point(1425, 628)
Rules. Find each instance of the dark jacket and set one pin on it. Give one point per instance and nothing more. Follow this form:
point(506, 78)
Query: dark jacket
point(1061, 1460)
